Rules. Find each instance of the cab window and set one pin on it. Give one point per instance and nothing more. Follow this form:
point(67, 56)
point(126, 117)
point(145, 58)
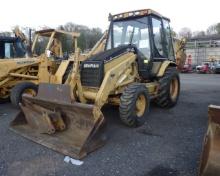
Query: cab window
point(134, 31)
point(169, 40)
point(158, 38)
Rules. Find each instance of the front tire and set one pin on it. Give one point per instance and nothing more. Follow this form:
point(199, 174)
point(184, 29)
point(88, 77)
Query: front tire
point(20, 89)
point(169, 88)
point(134, 105)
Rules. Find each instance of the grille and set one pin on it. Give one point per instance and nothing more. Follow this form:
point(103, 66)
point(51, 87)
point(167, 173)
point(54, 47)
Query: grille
point(92, 73)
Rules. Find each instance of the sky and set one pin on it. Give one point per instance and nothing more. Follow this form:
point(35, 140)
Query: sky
point(195, 14)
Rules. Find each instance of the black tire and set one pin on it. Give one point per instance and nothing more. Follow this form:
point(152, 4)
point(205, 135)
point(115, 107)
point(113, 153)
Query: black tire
point(19, 89)
point(165, 99)
point(127, 108)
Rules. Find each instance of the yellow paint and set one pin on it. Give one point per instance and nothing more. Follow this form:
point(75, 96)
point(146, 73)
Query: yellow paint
point(163, 67)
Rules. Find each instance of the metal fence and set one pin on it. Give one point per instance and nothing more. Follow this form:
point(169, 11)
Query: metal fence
point(201, 51)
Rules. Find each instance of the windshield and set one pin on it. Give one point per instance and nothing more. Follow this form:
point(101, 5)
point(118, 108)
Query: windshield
point(134, 31)
point(40, 45)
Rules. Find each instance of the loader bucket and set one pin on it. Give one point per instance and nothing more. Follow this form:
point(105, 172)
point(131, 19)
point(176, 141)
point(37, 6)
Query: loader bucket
point(51, 119)
point(210, 160)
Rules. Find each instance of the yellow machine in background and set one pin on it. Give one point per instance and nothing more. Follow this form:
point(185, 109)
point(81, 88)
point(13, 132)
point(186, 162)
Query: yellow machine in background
point(179, 47)
point(136, 67)
point(18, 76)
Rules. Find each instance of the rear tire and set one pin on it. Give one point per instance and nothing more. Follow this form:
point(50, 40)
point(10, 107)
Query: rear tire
point(169, 88)
point(134, 105)
point(21, 88)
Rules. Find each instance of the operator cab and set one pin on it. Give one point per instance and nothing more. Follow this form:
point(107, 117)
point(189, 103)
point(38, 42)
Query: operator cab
point(51, 42)
point(147, 31)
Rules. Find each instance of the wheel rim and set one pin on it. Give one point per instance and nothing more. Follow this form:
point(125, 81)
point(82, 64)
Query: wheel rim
point(30, 92)
point(174, 88)
point(141, 104)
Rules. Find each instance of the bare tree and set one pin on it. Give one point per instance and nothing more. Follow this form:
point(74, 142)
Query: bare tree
point(185, 32)
point(213, 29)
point(198, 33)
point(218, 28)
point(88, 36)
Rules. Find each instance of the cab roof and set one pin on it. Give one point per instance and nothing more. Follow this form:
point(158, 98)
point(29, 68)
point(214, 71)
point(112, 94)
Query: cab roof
point(136, 13)
point(48, 32)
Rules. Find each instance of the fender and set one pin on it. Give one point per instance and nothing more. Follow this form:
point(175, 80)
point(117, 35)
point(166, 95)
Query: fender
point(164, 66)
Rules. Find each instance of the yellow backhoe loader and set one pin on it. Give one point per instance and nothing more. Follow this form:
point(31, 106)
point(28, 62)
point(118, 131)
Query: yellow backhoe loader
point(22, 75)
point(136, 67)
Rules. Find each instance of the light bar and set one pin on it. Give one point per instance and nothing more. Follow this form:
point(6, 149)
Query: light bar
point(143, 12)
point(130, 14)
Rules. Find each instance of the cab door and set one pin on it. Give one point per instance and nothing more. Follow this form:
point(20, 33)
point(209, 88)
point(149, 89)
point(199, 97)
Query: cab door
point(161, 39)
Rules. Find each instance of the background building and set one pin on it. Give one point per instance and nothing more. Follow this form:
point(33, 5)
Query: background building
point(202, 48)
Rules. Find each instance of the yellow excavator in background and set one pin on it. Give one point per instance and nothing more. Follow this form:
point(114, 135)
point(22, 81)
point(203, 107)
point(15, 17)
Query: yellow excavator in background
point(179, 47)
point(137, 66)
point(22, 75)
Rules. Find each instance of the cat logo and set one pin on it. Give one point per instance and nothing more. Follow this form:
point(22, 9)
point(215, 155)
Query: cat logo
point(91, 66)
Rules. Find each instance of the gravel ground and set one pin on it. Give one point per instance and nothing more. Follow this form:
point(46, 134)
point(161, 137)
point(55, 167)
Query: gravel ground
point(169, 144)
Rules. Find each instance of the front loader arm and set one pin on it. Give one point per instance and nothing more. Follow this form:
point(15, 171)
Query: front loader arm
point(99, 46)
point(112, 77)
